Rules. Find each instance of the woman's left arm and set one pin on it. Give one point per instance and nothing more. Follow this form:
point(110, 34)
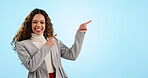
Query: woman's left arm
point(73, 52)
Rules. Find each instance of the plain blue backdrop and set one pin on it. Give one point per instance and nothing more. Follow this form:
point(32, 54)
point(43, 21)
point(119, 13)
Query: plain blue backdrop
point(115, 45)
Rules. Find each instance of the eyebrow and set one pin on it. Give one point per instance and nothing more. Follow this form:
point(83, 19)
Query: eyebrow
point(37, 20)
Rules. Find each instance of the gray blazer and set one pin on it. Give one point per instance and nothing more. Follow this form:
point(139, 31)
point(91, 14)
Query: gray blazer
point(34, 59)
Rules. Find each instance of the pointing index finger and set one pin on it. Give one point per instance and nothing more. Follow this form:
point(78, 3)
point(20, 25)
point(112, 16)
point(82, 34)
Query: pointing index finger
point(88, 22)
point(54, 36)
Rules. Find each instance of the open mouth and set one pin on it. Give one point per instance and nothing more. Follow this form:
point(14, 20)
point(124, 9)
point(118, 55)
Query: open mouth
point(38, 29)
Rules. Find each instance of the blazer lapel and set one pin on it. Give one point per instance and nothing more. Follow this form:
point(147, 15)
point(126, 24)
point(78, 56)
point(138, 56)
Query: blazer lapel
point(32, 49)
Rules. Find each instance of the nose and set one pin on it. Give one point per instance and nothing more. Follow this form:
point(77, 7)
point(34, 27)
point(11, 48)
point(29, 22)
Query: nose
point(38, 24)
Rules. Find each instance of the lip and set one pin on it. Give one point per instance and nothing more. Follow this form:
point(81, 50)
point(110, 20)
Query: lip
point(38, 29)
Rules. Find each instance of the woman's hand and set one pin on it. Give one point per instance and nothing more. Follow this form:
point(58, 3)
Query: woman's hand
point(50, 42)
point(83, 27)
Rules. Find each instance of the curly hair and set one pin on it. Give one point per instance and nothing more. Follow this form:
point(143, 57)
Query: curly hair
point(25, 30)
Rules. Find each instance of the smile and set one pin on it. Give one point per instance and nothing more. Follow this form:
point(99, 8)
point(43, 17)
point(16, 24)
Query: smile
point(38, 28)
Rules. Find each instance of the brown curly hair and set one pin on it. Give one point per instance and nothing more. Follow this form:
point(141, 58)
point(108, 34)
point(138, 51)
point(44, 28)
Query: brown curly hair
point(25, 30)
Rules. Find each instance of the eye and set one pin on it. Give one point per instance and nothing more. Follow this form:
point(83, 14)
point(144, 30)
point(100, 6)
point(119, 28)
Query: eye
point(34, 22)
point(42, 22)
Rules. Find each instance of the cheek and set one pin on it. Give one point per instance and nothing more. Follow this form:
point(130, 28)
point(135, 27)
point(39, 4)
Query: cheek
point(32, 27)
point(44, 27)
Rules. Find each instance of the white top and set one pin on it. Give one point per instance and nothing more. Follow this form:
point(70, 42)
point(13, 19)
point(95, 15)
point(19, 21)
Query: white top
point(39, 41)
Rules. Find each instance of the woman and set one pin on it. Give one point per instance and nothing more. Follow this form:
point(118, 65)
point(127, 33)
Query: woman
point(40, 51)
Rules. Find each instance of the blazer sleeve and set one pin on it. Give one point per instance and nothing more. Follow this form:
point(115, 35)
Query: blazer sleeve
point(73, 52)
point(31, 62)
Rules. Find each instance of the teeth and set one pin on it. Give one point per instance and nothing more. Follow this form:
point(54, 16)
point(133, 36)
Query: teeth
point(38, 29)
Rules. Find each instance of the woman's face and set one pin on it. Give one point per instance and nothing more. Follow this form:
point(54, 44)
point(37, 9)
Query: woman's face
point(38, 24)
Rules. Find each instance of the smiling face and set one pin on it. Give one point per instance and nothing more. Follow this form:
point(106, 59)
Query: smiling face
point(38, 24)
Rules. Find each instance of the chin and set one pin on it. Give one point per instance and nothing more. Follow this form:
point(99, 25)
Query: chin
point(38, 33)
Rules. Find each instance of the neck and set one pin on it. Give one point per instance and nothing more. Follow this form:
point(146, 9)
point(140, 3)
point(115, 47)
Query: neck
point(36, 37)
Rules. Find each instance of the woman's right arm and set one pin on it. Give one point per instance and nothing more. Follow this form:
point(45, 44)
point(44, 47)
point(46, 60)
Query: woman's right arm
point(31, 62)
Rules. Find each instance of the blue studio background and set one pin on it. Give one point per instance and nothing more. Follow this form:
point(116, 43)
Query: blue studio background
point(115, 45)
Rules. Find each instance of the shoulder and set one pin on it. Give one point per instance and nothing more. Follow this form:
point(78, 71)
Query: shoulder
point(22, 43)
point(56, 39)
